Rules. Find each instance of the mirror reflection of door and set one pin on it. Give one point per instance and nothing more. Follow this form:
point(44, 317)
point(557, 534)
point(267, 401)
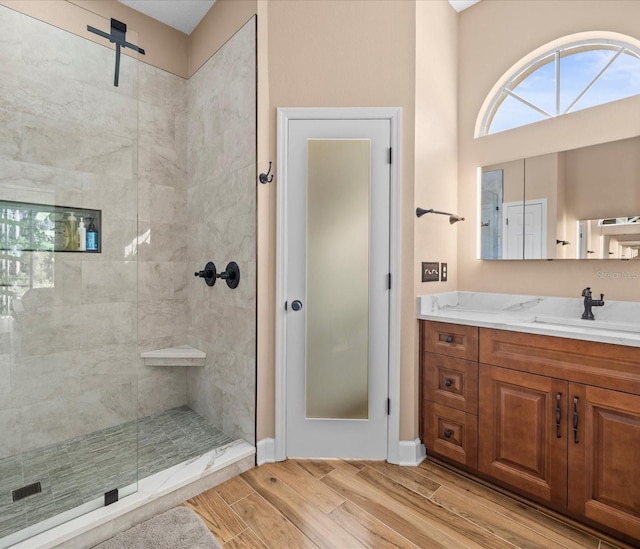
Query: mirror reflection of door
point(524, 230)
point(491, 214)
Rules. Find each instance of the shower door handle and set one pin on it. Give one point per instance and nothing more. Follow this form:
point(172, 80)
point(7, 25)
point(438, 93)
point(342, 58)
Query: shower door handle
point(296, 305)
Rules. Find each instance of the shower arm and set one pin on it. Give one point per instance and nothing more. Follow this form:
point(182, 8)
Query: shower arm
point(453, 218)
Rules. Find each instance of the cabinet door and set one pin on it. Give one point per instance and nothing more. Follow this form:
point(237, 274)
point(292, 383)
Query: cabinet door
point(522, 438)
point(604, 457)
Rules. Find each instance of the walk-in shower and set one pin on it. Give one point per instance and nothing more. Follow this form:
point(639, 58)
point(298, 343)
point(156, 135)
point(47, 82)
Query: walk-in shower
point(110, 198)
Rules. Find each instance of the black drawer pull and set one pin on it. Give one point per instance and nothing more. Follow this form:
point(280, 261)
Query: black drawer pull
point(448, 382)
point(558, 415)
point(448, 433)
point(449, 339)
point(575, 420)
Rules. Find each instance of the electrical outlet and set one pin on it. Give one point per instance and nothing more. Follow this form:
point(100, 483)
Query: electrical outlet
point(443, 272)
point(430, 271)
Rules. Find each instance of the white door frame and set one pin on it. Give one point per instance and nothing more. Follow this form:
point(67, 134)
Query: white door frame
point(393, 114)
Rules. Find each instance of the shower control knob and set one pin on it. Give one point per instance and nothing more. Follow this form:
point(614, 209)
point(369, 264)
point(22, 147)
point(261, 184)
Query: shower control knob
point(296, 305)
point(208, 273)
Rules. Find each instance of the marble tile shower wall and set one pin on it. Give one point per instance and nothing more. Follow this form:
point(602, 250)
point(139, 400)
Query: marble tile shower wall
point(163, 275)
point(68, 137)
point(171, 164)
point(221, 205)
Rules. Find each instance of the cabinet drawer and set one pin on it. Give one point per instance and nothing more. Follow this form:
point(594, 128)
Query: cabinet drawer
point(451, 381)
point(451, 433)
point(589, 362)
point(453, 340)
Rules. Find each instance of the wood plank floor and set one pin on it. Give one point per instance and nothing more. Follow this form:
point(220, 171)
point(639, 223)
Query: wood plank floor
point(351, 504)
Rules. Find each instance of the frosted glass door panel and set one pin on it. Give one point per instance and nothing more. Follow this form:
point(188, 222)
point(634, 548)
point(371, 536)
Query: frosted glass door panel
point(337, 302)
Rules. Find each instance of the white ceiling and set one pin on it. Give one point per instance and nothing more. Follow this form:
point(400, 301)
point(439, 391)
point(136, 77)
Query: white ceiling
point(460, 5)
point(185, 15)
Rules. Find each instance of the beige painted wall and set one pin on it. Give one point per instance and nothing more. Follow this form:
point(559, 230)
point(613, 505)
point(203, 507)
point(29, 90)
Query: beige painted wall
point(436, 175)
point(494, 35)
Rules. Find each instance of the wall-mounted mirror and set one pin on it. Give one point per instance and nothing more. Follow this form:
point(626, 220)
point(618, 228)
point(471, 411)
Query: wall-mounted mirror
point(576, 204)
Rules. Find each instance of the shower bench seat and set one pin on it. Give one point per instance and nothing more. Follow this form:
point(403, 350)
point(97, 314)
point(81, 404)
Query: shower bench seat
point(183, 355)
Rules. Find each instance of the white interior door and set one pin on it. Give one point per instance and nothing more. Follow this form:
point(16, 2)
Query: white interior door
point(524, 229)
point(337, 288)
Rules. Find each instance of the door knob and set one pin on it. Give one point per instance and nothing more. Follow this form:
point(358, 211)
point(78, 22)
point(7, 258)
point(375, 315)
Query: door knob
point(296, 305)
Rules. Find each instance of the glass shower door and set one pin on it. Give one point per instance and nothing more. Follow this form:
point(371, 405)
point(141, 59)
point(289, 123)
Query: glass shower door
point(68, 274)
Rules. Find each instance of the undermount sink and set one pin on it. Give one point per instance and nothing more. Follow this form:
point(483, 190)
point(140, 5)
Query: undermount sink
point(608, 325)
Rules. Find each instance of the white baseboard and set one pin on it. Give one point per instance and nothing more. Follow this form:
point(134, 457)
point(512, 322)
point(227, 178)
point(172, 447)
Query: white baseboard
point(411, 452)
point(266, 451)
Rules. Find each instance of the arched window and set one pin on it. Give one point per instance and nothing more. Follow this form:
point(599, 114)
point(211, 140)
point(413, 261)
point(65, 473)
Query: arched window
point(574, 76)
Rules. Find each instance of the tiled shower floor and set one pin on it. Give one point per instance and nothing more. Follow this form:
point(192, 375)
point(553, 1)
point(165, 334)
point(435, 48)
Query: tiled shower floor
point(82, 469)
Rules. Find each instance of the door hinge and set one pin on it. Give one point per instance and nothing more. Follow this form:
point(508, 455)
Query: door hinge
point(388, 406)
point(389, 281)
point(390, 155)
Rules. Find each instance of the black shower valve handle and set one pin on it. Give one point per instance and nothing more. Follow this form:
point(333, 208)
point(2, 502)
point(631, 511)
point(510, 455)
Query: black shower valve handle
point(231, 274)
point(208, 273)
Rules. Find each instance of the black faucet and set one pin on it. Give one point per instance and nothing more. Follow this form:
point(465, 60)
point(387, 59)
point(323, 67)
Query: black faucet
point(589, 302)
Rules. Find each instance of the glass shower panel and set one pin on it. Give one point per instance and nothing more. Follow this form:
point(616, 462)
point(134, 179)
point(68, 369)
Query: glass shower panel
point(337, 346)
point(68, 293)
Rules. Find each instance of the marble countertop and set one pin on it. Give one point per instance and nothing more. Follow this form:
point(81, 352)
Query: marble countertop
point(617, 322)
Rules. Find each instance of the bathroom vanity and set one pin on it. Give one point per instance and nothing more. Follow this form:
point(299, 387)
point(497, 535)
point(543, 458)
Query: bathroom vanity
point(516, 391)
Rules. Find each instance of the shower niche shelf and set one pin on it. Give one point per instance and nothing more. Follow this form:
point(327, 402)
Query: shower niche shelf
point(30, 227)
point(183, 355)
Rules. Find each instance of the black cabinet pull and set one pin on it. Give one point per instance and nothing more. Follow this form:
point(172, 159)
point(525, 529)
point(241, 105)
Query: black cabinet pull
point(558, 435)
point(575, 420)
point(447, 433)
point(448, 382)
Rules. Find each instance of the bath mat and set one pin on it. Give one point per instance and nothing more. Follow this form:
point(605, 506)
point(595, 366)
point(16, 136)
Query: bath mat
point(178, 528)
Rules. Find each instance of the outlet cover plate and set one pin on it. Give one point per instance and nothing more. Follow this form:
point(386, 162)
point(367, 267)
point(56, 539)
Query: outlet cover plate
point(430, 271)
point(443, 272)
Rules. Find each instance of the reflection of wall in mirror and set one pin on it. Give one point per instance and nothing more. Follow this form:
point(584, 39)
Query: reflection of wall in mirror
point(544, 180)
point(603, 180)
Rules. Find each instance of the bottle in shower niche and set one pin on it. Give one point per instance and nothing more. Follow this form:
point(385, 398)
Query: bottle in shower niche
point(92, 236)
point(82, 236)
point(71, 243)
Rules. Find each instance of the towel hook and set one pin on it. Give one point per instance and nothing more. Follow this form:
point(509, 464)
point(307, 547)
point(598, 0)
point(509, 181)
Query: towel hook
point(264, 177)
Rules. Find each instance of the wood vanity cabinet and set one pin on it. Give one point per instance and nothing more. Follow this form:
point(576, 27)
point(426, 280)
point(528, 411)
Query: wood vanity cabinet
point(558, 419)
point(449, 391)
